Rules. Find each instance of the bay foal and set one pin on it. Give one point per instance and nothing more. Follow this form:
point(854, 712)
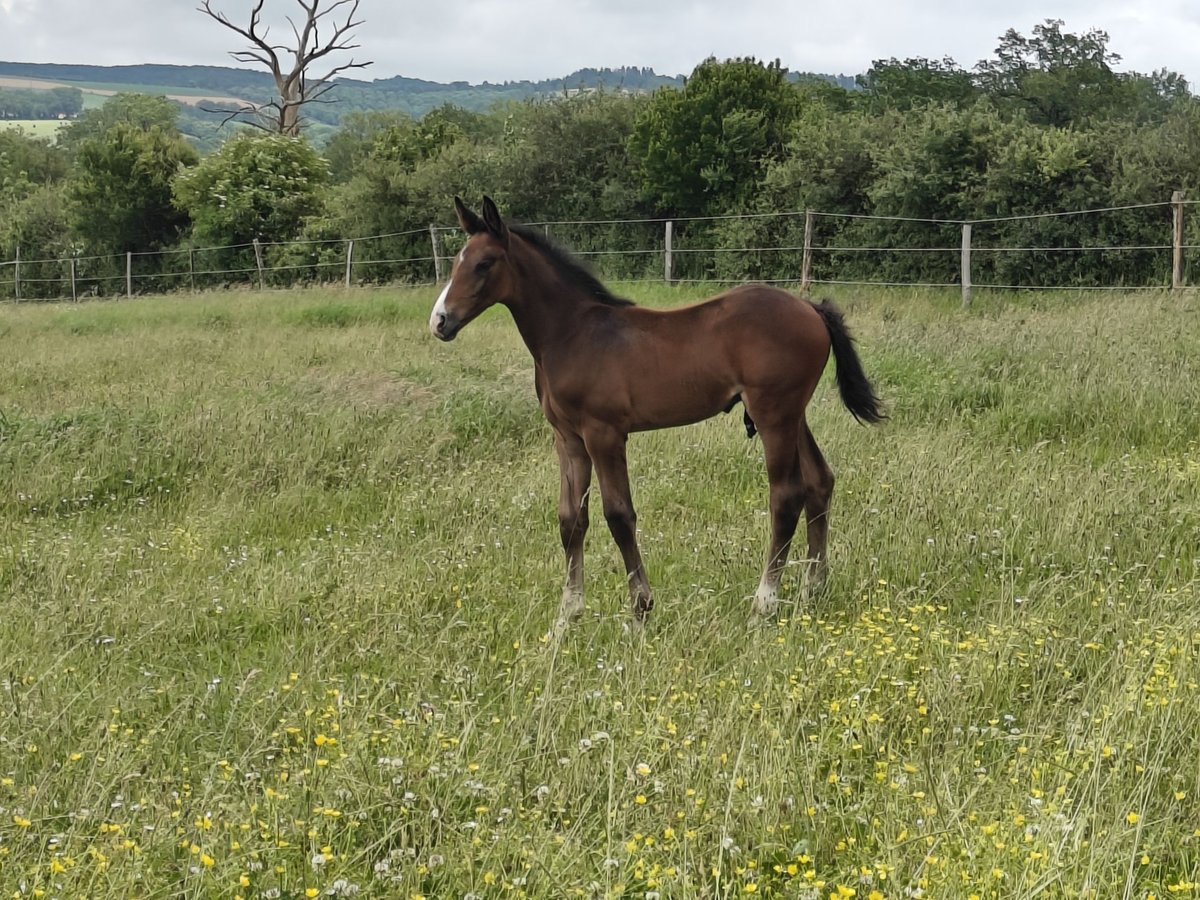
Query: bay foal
point(604, 368)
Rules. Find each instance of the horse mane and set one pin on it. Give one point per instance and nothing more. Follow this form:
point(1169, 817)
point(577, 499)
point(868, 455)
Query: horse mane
point(568, 267)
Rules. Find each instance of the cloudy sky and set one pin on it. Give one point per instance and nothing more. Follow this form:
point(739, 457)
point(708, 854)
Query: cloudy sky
point(502, 40)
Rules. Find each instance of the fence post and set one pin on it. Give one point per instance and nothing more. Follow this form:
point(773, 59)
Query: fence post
point(17, 276)
point(349, 261)
point(128, 275)
point(667, 238)
point(74, 292)
point(806, 256)
point(259, 262)
point(437, 260)
point(192, 267)
point(1177, 241)
point(966, 265)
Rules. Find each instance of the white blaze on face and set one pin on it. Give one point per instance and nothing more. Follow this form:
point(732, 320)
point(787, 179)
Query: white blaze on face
point(439, 309)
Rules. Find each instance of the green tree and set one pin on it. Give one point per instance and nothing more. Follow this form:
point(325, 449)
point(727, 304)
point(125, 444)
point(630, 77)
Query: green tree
point(141, 111)
point(21, 103)
point(702, 149)
point(351, 144)
point(120, 188)
point(1056, 77)
point(26, 162)
point(39, 224)
point(891, 84)
point(401, 199)
point(569, 158)
point(257, 186)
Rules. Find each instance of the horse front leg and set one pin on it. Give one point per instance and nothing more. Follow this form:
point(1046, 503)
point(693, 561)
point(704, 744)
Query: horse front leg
point(607, 449)
point(575, 476)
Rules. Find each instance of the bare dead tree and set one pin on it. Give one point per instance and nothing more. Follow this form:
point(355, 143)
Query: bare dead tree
point(296, 86)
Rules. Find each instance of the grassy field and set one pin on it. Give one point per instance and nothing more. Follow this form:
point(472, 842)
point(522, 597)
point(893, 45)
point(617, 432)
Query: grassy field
point(38, 128)
point(276, 573)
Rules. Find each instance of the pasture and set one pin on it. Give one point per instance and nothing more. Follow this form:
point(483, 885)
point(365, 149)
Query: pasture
point(37, 128)
point(276, 572)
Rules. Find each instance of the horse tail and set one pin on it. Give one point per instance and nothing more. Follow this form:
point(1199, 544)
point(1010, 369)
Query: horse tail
point(857, 393)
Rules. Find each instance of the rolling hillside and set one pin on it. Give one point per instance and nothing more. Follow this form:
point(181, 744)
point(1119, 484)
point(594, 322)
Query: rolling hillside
point(189, 84)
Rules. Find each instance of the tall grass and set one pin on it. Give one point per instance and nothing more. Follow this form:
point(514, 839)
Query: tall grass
point(276, 573)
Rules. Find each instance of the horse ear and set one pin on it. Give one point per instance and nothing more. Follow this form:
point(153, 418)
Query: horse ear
point(470, 222)
point(491, 218)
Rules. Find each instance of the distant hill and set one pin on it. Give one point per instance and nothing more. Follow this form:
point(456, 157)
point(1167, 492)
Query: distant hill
point(413, 95)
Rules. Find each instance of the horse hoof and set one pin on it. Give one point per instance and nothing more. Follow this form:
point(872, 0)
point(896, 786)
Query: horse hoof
point(561, 627)
point(634, 627)
point(765, 604)
point(815, 585)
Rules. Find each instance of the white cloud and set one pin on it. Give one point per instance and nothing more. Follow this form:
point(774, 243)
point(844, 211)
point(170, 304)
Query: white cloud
point(477, 40)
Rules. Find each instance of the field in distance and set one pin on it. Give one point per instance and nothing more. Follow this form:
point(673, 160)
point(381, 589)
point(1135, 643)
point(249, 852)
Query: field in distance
point(38, 128)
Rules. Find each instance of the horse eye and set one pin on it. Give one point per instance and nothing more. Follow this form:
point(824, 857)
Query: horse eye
point(484, 264)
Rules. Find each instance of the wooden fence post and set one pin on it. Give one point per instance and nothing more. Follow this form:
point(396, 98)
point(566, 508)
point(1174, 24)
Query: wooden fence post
point(258, 259)
point(667, 240)
point(17, 276)
point(128, 275)
point(806, 256)
point(437, 260)
point(74, 292)
point(965, 265)
point(1177, 241)
point(192, 267)
point(349, 261)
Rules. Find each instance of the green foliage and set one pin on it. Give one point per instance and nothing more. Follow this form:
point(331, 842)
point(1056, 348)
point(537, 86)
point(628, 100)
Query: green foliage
point(413, 96)
point(23, 103)
point(257, 186)
point(1045, 124)
point(891, 84)
point(399, 199)
point(121, 188)
point(39, 223)
point(26, 162)
point(351, 145)
point(570, 159)
point(1058, 78)
point(702, 149)
point(140, 111)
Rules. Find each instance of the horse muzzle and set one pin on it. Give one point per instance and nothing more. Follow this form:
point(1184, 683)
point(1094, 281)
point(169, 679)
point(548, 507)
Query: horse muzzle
point(444, 326)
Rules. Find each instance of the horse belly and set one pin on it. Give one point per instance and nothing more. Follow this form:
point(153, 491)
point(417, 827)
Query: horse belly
point(679, 398)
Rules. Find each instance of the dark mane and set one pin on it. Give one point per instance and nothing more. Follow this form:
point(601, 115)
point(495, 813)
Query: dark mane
point(569, 269)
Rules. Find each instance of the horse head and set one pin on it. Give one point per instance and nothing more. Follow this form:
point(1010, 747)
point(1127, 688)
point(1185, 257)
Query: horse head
point(481, 275)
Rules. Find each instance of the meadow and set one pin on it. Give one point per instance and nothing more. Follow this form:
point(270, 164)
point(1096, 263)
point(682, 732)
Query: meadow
point(38, 128)
point(277, 571)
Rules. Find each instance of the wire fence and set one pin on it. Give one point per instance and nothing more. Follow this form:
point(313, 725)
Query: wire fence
point(1130, 247)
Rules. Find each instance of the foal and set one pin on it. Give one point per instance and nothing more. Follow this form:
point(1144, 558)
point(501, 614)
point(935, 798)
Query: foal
point(604, 368)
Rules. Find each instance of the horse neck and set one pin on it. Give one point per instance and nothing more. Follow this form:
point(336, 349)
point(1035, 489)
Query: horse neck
point(544, 307)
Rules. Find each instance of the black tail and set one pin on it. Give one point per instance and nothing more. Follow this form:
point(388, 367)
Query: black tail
point(857, 392)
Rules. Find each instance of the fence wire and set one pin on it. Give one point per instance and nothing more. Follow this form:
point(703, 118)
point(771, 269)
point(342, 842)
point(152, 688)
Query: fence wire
point(1123, 247)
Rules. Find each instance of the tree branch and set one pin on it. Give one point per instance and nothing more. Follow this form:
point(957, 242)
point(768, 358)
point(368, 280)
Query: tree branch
point(295, 87)
point(324, 79)
point(251, 34)
point(232, 115)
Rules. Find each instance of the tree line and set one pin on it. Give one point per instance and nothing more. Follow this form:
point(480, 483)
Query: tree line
point(55, 103)
point(1046, 124)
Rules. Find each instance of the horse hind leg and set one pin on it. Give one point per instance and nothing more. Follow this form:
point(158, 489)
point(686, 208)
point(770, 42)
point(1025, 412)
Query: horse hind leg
point(818, 494)
point(788, 497)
